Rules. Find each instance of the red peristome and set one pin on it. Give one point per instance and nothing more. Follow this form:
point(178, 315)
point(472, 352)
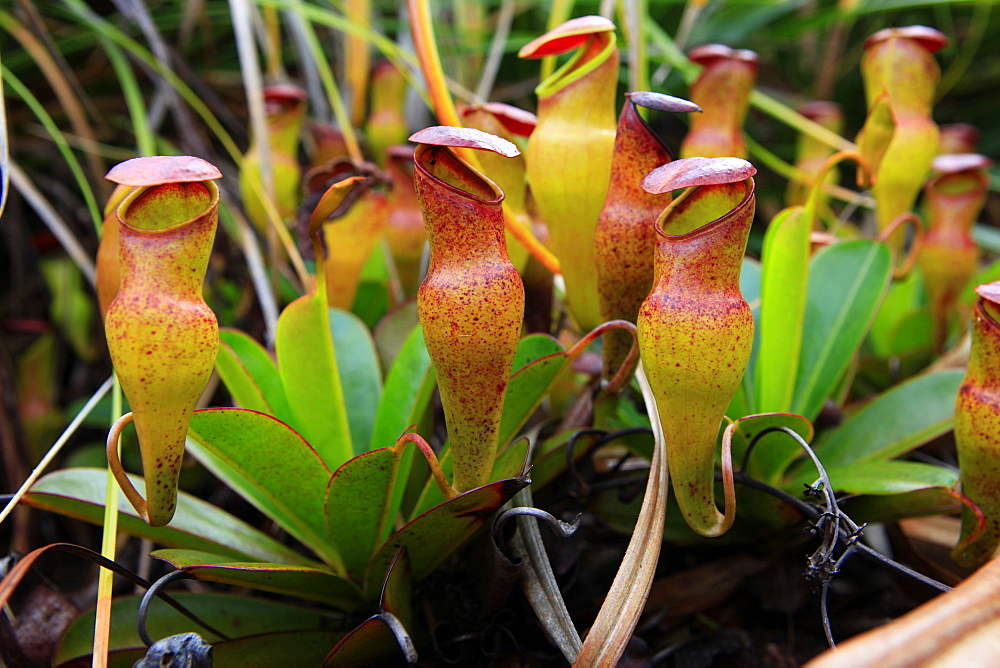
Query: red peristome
point(817, 110)
point(283, 93)
point(159, 169)
point(953, 163)
point(959, 138)
point(661, 102)
point(514, 119)
point(446, 135)
point(709, 53)
point(566, 37)
point(697, 171)
point(931, 39)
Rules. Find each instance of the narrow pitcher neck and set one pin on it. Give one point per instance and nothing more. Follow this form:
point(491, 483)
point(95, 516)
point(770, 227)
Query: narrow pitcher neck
point(708, 257)
point(166, 235)
point(955, 200)
point(461, 207)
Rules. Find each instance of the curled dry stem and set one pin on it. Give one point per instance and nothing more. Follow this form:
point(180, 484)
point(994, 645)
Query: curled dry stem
point(537, 579)
point(147, 599)
point(831, 523)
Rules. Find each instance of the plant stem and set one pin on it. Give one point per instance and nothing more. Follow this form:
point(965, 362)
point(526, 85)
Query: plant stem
point(105, 580)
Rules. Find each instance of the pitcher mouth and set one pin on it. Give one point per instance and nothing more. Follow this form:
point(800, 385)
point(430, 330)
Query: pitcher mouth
point(707, 227)
point(490, 193)
point(211, 204)
point(983, 312)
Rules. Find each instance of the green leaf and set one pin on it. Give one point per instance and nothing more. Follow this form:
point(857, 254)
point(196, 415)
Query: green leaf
point(72, 308)
point(750, 286)
point(251, 376)
point(785, 258)
point(235, 616)
point(895, 507)
point(360, 375)
point(393, 330)
point(550, 456)
point(371, 301)
point(309, 374)
point(897, 421)
point(773, 452)
point(750, 281)
point(989, 274)
point(904, 298)
point(890, 477)
point(373, 642)
point(359, 505)
point(408, 390)
point(314, 584)
point(512, 461)
point(288, 648)
point(846, 284)
point(196, 525)
point(397, 592)
point(434, 535)
point(534, 347)
point(370, 643)
point(539, 360)
point(987, 236)
point(270, 466)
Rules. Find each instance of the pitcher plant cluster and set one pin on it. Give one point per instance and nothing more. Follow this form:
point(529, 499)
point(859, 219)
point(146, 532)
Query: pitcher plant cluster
point(469, 223)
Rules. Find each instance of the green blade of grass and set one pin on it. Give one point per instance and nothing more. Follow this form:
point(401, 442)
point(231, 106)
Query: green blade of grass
point(43, 116)
point(330, 84)
point(98, 25)
point(144, 139)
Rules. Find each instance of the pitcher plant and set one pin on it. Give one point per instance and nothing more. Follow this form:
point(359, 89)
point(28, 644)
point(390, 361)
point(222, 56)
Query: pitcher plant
point(569, 153)
point(954, 198)
point(977, 432)
point(624, 238)
point(109, 276)
point(695, 328)
point(958, 138)
point(162, 336)
point(899, 138)
point(471, 303)
point(723, 91)
point(285, 105)
point(352, 230)
point(404, 226)
point(810, 153)
point(513, 124)
point(386, 124)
